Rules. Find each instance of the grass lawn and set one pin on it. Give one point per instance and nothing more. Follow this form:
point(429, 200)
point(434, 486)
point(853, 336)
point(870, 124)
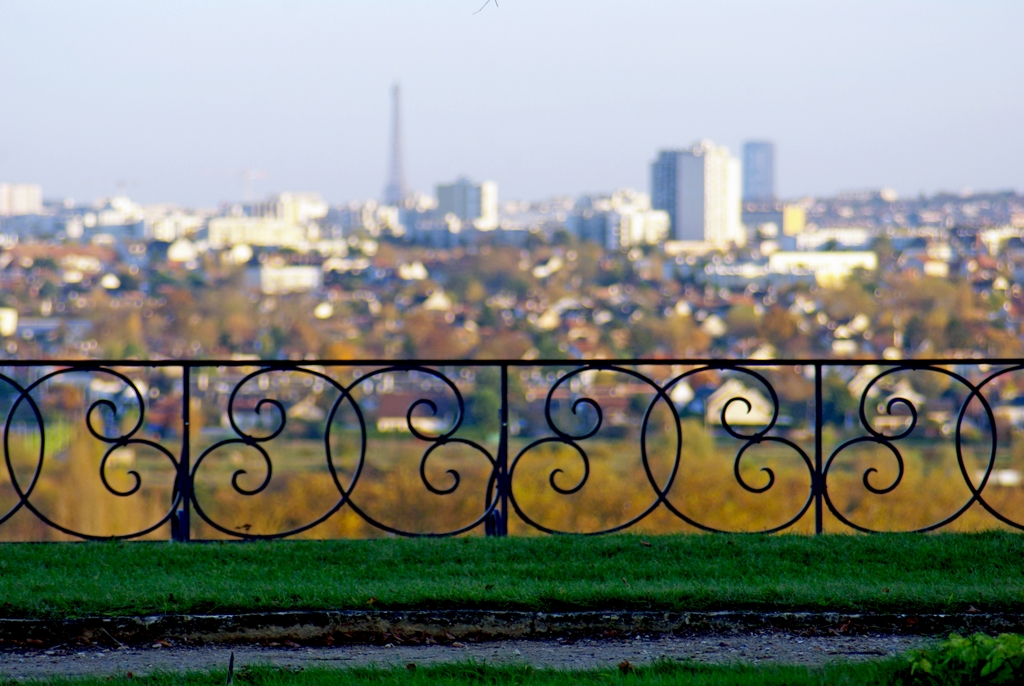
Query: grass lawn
point(891, 572)
point(659, 674)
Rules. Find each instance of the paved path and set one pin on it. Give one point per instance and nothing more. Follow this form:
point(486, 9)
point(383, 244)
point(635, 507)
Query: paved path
point(582, 654)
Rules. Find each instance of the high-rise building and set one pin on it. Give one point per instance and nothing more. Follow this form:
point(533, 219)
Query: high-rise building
point(470, 202)
point(758, 171)
point(700, 189)
point(396, 191)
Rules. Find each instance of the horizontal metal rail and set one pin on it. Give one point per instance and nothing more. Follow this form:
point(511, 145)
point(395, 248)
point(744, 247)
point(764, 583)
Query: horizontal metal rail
point(518, 362)
point(118, 420)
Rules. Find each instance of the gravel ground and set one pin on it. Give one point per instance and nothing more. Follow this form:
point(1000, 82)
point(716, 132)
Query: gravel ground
point(776, 647)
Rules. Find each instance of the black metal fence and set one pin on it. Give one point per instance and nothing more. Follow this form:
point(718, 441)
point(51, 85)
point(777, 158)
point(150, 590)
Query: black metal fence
point(507, 446)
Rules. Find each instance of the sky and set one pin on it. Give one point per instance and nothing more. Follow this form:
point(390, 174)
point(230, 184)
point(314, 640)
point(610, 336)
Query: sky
point(172, 101)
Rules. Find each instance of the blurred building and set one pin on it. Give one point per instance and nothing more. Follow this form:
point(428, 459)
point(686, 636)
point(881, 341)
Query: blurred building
point(8, 321)
point(226, 232)
point(282, 279)
point(794, 220)
point(622, 220)
point(288, 220)
point(168, 224)
point(367, 216)
point(297, 208)
point(775, 220)
point(830, 268)
point(544, 217)
point(20, 198)
point(469, 202)
point(699, 188)
point(758, 171)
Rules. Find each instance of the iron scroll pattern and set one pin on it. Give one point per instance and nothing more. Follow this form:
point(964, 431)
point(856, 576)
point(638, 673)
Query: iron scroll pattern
point(347, 396)
point(102, 417)
point(117, 421)
point(661, 496)
point(104, 411)
point(972, 392)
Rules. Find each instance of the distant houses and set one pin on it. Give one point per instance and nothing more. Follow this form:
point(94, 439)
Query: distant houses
point(737, 413)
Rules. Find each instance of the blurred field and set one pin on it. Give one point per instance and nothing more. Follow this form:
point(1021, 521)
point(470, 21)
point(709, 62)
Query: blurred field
point(389, 489)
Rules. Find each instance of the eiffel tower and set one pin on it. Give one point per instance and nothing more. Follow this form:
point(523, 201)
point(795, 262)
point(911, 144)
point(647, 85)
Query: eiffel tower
point(396, 191)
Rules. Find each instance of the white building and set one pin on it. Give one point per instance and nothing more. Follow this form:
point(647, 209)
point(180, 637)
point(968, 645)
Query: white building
point(298, 208)
point(488, 219)
point(756, 411)
point(168, 225)
point(470, 202)
point(700, 188)
point(846, 237)
point(630, 220)
point(226, 232)
point(118, 211)
point(109, 219)
point(279, 280)
point(637, 226)
point(830, 268)
point(620, 220)
point(709, 187)
point(368, 216)
point(20, 198)
point(8, 321)
point(286, 221)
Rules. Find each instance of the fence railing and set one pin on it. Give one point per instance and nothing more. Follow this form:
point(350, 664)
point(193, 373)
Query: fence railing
point(249, 449)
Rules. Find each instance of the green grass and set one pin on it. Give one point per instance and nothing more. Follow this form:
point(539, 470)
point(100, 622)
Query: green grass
point(892, 572)
point(658, 674)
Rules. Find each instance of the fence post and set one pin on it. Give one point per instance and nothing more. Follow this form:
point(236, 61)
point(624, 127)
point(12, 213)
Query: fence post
point(181, 526)
point(503, 480)
point(818, 481)
point(496, 523)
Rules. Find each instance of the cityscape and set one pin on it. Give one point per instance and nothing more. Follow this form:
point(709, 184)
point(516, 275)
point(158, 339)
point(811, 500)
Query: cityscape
point(707, 261)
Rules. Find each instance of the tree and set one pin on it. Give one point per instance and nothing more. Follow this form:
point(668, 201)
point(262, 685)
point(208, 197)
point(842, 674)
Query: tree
point(742, 321)
point(836, 402)
point(778, 327)
point(483, 404)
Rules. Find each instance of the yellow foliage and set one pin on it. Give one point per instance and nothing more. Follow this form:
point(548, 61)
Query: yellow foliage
point(390, 489)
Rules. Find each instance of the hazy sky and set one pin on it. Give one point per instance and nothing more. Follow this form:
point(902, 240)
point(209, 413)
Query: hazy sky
point(175, 98)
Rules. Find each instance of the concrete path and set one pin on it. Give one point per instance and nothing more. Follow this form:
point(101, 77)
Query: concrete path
point(777, 647)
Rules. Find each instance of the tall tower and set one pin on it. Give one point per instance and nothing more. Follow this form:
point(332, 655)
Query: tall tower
point(396, 191)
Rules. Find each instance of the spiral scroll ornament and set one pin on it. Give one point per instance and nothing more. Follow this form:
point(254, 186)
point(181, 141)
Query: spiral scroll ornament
point(890, 442)
point(347, 494)
point(102, 411)
point(660, 490)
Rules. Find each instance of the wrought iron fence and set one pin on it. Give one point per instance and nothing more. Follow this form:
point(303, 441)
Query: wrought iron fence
point(842, 435)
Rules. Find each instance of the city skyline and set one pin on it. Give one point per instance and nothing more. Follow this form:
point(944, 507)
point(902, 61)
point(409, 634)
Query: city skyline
point(177, 104)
